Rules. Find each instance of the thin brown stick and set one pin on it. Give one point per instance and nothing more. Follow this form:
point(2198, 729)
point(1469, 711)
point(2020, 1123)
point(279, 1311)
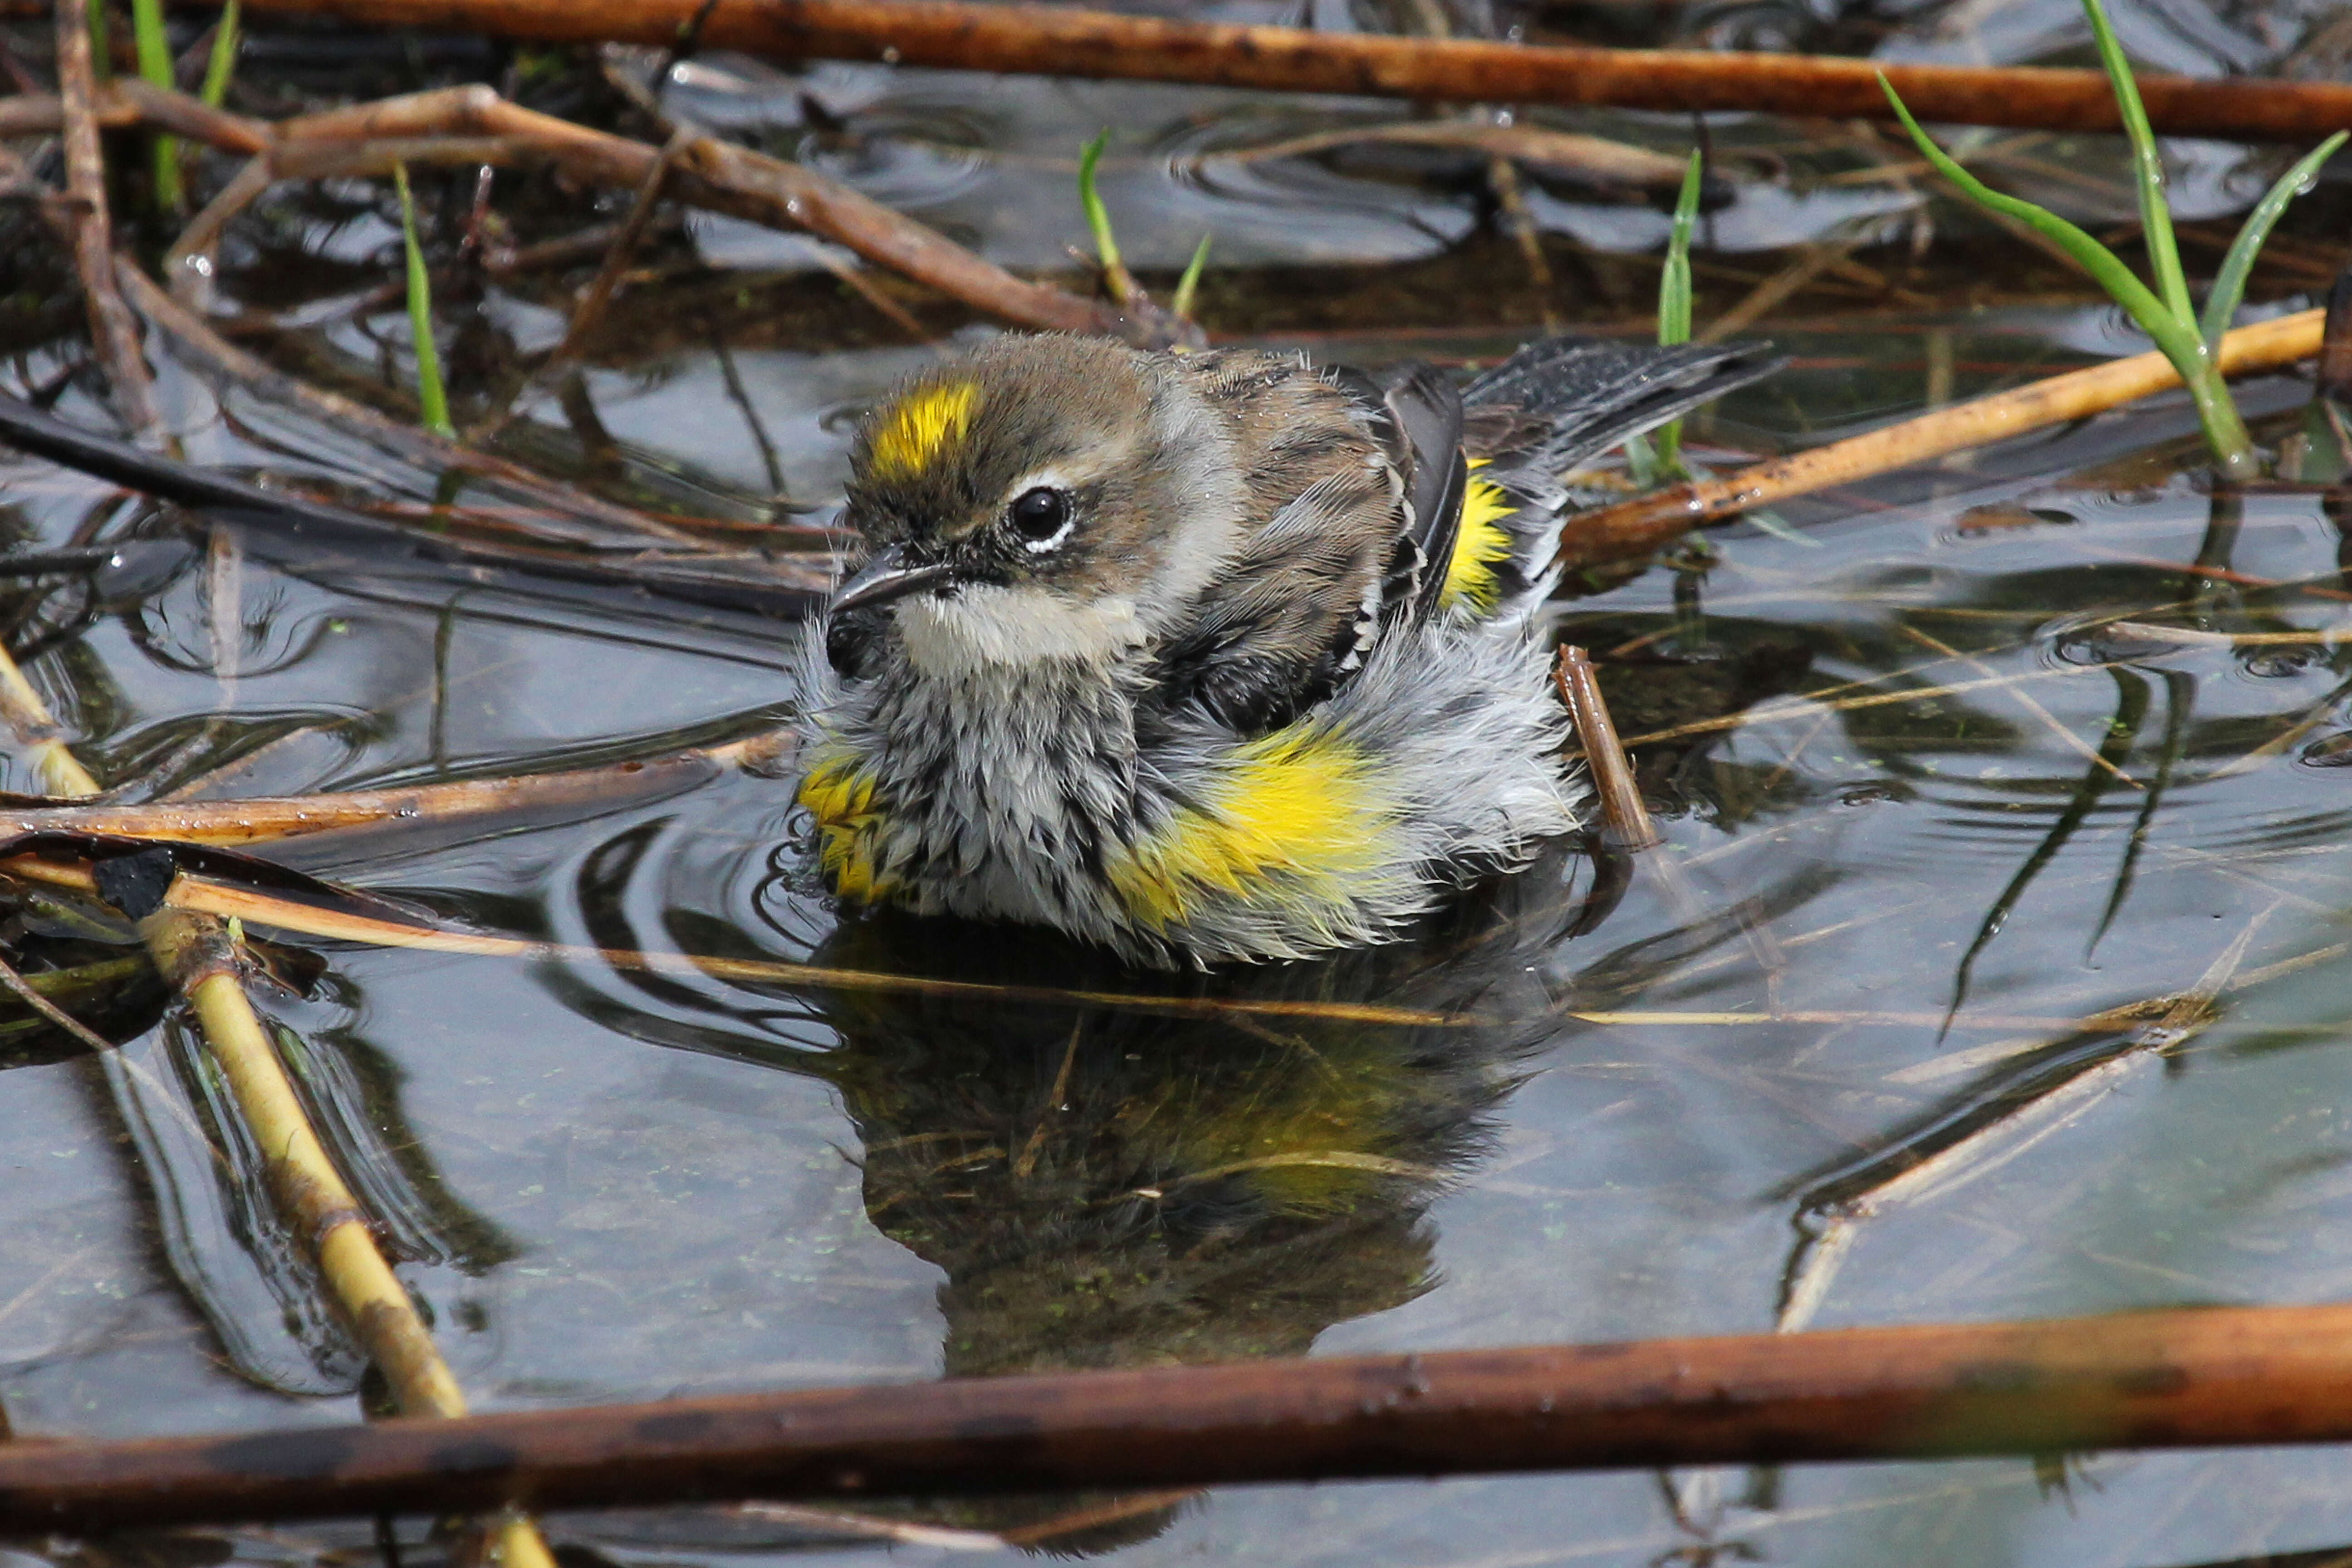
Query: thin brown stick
point(1612, 532)
point(1593, 158)
point(1623, 817)
point(257, 821)
point(2209, 1377)
point(115, 335)
point(590, 313)
point(1051, 41)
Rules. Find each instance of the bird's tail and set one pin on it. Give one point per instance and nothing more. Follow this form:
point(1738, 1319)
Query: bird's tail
point(1538, 416)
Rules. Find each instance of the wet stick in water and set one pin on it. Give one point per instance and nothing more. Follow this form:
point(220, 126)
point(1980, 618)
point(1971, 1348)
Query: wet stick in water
point(1956, 1143)
point(1623, 817)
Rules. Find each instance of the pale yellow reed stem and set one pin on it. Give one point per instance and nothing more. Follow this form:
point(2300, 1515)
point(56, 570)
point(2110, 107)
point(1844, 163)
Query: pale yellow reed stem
point(195, 953)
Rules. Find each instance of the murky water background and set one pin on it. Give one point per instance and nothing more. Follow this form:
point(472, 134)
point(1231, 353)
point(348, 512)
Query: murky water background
point(612, 1186)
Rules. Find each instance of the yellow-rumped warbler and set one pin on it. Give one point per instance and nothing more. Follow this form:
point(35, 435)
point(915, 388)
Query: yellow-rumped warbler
point(1208, 656)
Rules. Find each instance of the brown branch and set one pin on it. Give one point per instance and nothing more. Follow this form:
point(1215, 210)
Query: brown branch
point(1051, 41)
point(262, 821)
point(2200, 1378)
point(1613, 532)
point(707, 173)
point(113, 333)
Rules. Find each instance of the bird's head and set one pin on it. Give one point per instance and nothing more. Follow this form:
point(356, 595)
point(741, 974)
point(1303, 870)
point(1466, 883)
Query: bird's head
point(1039, 497)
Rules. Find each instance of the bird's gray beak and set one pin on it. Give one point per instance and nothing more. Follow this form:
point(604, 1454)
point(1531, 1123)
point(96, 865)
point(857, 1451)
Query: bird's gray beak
point(885, 577)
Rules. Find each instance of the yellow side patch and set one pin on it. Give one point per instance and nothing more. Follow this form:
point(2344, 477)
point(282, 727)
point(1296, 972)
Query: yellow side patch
point(1298, 812)
point(842, 799)
point(924, 423)
point(1472, 581)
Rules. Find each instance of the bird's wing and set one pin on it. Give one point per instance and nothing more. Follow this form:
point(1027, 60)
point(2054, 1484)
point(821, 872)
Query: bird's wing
point(1294, 612)
point(1360, 485)
point(1425, 409)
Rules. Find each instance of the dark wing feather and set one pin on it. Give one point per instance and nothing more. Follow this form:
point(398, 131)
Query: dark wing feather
point(1555, 403)
point(1427, 410)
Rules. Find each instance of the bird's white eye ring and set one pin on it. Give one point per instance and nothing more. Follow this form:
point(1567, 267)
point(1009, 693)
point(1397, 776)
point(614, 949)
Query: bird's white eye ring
point(1041, 516)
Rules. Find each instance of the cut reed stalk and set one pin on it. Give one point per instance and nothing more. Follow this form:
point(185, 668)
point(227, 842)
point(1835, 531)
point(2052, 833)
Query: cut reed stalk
point(1625, 818)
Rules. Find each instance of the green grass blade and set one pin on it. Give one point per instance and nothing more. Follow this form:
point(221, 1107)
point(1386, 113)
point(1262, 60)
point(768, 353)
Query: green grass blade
point(1674, 301)
point(1098, 217)
point(1641, 462)
point(2230, 284)
point(1190, 284)
point(101, 47)
point(2155, 211)
point(222, 65)
point(2176, 336)
point(432, 396)
point(155, 65)
point(1675, 282)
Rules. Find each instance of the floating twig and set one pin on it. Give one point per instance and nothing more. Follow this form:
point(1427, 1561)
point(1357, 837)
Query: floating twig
point(212, 351)
point(1051, 41)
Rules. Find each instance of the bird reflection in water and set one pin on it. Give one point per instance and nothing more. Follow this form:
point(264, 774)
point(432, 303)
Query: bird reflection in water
point(1109, 1186)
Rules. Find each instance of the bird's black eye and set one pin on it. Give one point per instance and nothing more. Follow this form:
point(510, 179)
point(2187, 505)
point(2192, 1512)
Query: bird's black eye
point(1039, 514)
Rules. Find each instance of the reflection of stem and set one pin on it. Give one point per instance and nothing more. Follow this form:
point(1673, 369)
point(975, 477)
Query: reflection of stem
point(2024, 699)
point(2179, 692)
point(2131, 707)
point(2222, 519)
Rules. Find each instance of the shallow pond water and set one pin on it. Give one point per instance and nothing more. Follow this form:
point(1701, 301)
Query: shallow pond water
point(1961, 770)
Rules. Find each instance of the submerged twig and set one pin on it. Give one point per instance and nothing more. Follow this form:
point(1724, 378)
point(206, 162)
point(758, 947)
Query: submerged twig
point(1950, 1149)
point(212, 351)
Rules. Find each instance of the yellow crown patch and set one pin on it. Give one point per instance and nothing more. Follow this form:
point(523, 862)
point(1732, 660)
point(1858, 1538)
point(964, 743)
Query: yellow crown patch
point(924, 423)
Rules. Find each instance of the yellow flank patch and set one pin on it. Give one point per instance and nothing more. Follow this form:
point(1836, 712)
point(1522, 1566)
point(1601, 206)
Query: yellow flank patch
point(842, 799)
point(923, 423)
point(1298, 812)
point(1472, 581)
